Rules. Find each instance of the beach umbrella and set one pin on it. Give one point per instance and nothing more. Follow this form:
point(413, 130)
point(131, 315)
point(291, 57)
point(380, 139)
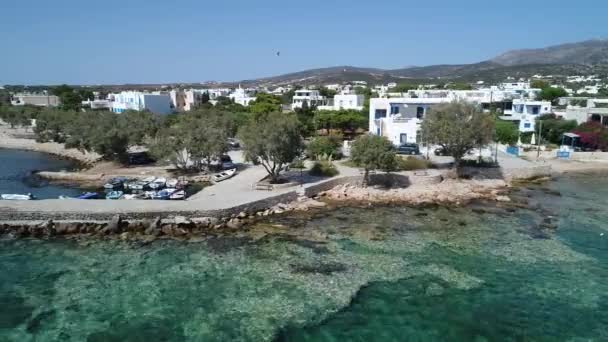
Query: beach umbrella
point(533, 140)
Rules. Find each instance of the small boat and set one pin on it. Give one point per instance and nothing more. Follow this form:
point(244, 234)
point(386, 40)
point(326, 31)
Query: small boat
point(148, 194)
point(172, 183)
point(158, 183)
point(88, 195)
point(222, 176)
point(178, 195)
point(164, 194)
point(17, 197)
point(141, 184)
point(132, 196)
point(115, 183)
point(114, 195)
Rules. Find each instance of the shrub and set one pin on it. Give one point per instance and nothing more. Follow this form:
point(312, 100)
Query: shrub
point(329, 145)
point(412, 163)
point(297, 164)
point(323, 169)
point(484, 162)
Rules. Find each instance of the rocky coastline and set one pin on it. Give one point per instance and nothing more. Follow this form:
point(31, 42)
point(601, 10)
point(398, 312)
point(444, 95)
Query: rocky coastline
point(447, 193)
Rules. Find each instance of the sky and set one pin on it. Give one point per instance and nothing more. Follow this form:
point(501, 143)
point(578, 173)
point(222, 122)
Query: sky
point(137, 41)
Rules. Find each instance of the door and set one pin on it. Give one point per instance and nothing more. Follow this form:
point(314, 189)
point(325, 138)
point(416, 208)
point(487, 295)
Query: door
point(403, 138)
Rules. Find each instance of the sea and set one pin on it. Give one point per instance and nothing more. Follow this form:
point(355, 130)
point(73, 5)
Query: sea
point(484, 272)
point(17, 174)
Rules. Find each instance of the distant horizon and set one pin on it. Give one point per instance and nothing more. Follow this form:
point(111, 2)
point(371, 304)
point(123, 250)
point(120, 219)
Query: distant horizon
point(153, 42)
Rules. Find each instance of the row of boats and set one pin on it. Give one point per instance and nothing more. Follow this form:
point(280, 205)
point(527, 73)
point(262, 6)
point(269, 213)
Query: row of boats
point(164, 194)
point(149, 183)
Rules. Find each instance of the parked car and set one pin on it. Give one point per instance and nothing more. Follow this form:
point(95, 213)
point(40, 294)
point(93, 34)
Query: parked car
point(408, 149)
point(227, 162)
point(440, 151)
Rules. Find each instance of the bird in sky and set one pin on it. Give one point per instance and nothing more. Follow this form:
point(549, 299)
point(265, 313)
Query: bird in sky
point(278, 53)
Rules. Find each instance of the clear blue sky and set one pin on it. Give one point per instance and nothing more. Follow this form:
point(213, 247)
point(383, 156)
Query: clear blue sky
point(137, 41)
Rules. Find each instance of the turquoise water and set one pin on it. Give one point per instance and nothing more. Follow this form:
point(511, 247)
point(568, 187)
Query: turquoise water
point(353, 274)
point(16, 169)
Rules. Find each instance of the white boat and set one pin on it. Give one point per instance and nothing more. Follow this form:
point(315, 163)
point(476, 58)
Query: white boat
point(158, 183)
point(149, 195)
point(141, 184)
point(164, 194)
point(222, 176)
point(178, 195)
point(17, 197)
point(172, 183)
point(130, 196)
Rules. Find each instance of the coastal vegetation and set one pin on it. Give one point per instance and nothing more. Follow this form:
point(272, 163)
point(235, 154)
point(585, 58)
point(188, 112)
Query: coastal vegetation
point(325, 145)
point(372, 152)
point(273, 141)
point(458, 127)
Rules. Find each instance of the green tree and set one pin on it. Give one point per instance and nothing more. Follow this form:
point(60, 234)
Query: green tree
point(344, 120)
point(196, 139)
point(554, 127)
point(539, 84)
point(273, 142)
point(70, 99)
point(305, 115)
point(458, 86)
point(325, 146)
point(506, 132)
point(552, 94)
point(458, 127)
point(372, 152)
point(403, 88)
point(265, 103)
point(329, 93)
point(205, 98)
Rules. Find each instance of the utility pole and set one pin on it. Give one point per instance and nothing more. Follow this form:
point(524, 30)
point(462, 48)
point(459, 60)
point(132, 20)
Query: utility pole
point(540, 130)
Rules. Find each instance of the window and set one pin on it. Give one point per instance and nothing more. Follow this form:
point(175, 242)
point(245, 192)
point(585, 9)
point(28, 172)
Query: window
point(394, 109)
point(380, 113)
point(419, 112)
point(527, 125)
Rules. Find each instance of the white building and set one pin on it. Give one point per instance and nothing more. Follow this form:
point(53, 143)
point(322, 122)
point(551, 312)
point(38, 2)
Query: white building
point(310, 96)
point(344, 101)
point(241, 96)
point(158, 103)
point(399, 119)
point(526, 112)
point(596, 110)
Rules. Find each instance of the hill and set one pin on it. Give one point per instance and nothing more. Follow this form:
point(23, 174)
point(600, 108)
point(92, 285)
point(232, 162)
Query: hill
point(590, 52)
point(582, 58)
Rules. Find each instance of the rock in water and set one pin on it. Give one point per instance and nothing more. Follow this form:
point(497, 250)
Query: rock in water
point(154, 227)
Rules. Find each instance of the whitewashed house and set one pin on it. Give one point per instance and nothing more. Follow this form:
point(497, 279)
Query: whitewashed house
point(41, 100)
point(344, 101)
point(399, 119)
point(241, 96)
point(311, 96)
point(185, 100)
point(526, 112)
point(158, 103)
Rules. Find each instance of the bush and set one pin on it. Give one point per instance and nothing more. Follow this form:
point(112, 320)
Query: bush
point(412, 163)
point(297, 164)
point(485, 162)
point(324, 168)
point(329, 145)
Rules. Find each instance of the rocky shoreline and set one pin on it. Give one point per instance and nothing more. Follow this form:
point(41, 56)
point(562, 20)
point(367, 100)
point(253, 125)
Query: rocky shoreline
point(447, 193)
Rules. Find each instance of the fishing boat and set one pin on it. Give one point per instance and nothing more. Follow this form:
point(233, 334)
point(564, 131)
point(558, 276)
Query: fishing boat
point(172, 183)
point(158, 183)
point(141, 184)
point(115, 183)
point(148, 194)
point(178, 195)
point(164, 194)
point(114, 195)
point(88, 195)
point(133, 196)
point(17, 197)
point(222, 176)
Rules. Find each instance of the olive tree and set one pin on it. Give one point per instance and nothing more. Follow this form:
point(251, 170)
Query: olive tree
point(273, 141)
point(458, 127)
point(372, 152)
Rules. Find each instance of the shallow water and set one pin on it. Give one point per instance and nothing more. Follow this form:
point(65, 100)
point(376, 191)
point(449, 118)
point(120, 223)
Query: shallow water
point(16, 174)
point(373, 274)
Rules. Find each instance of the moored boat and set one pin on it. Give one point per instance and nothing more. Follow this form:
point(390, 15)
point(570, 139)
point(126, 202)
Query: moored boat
point(178, 195)
point(158, 183)
point(164, 194)
point(88, 195)
point(17, 197)
point(222, 176)
point(172, 183)
point(114, 195)
point(115, 183)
